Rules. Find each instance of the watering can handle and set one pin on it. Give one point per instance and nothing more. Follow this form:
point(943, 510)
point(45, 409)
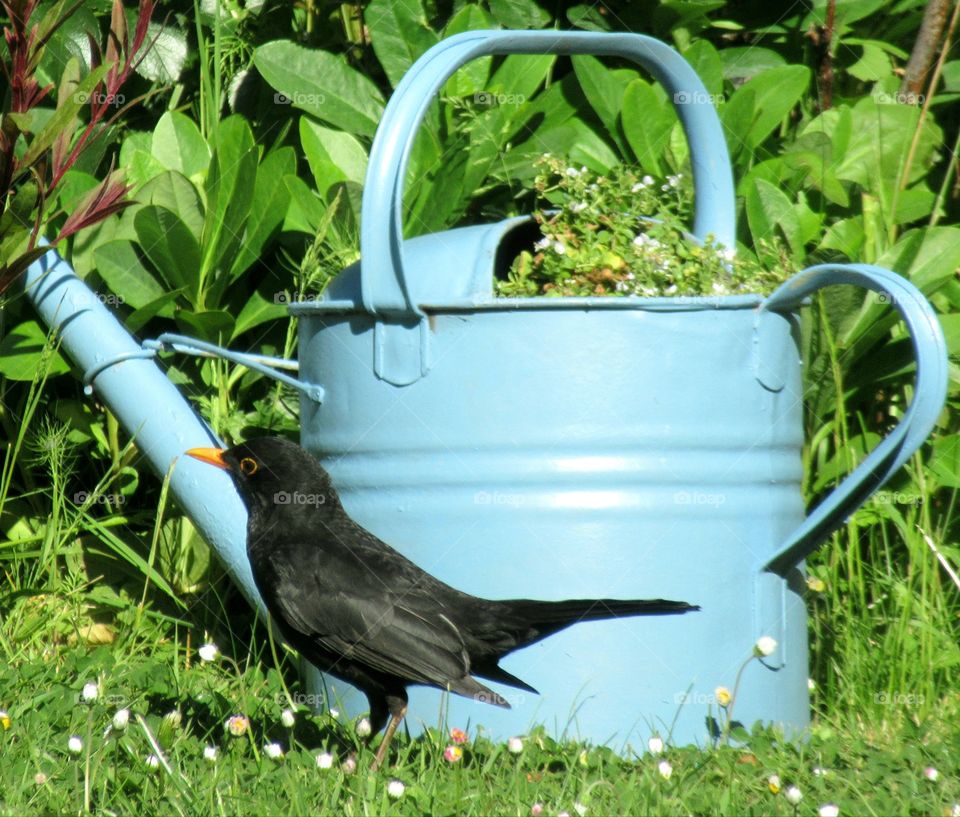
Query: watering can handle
point(930, 391)
point(384, 283)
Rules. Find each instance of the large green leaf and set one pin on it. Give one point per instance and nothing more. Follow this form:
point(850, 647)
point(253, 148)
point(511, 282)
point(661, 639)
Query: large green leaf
point(178, 145)
point(306, 210)
point(773, 94)
point(604, 89)
point(170, 246)
point(769, 208)
point(258, 310)
point(271, 198)
point(647, 119)
point(333, 156)
point(706, 61)
point(120, 268)
point(175, 192)
point(230, 187)
point(399, 33)
point(23, 351)
point(322, 84)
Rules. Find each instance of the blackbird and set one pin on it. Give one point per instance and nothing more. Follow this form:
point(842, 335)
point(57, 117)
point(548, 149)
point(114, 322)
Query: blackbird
point(362, 612)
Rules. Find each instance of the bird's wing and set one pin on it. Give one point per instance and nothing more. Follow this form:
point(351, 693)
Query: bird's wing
point(351, 611)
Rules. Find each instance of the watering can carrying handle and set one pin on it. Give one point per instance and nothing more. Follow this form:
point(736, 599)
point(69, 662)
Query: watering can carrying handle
point(930, 391)
point(384, 281)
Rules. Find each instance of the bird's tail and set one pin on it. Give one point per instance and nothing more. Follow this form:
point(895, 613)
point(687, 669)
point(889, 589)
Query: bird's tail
point(521, 622)
point(543, 618)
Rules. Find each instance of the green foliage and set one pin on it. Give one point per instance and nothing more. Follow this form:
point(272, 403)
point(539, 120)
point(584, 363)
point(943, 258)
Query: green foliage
point(624, 234)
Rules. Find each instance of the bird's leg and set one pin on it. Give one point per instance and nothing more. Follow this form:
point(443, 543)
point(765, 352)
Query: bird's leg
point(398, 709)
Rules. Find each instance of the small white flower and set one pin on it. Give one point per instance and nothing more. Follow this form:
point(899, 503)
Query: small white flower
point(727, 253)
point(673, 181)
point(90, 691)
point(665, 769)
point(210, 754)
point(720, 289)
point(955, 811)
point(324, 760)
point(578, 207)
point(647, 180)
point(572, 172)
point(766, 645)
point(931, 774)
point(829, 810)
point(559, 248)
point(664, 187)
point(670, 290)
point(793, 795)
point(334, 713)
point(542, 244)
point(152, 761)
point(120, 719)
point(515, 746)
point(580, 808)
point(396, 789)
point(274, 751)
point(209, 652)
point(811, 684)
point(637, 187)
point(363, 727)
point(75, 745)
point(655, 745)
point(287, 718)
point(349, 766)
point(174, 718)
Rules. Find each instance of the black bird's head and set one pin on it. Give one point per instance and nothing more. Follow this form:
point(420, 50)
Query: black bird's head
point(275, 476)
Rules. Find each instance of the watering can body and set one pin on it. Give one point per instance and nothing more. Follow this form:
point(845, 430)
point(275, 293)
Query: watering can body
point(586, 447)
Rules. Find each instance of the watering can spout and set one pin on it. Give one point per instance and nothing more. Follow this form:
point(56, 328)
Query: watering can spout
point(148, 406)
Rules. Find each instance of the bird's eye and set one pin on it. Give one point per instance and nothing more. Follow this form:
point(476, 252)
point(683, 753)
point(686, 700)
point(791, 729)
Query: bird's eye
point(249, 466)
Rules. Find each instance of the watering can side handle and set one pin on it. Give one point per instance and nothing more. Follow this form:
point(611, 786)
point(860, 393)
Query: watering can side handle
point(385, 284)
point(898, 446)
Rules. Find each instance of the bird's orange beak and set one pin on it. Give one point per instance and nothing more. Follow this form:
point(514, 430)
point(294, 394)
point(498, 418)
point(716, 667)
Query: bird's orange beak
point(213, 456)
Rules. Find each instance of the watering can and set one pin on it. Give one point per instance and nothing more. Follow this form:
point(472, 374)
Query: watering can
point(556, 447)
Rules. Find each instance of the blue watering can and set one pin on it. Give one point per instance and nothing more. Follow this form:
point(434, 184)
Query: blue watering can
point(553, 447)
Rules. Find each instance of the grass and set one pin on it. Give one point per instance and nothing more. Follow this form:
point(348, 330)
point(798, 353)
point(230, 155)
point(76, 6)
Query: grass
point(180, 704)
point(866, 771)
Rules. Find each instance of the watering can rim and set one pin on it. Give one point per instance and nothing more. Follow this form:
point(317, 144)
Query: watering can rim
point(643, 303)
